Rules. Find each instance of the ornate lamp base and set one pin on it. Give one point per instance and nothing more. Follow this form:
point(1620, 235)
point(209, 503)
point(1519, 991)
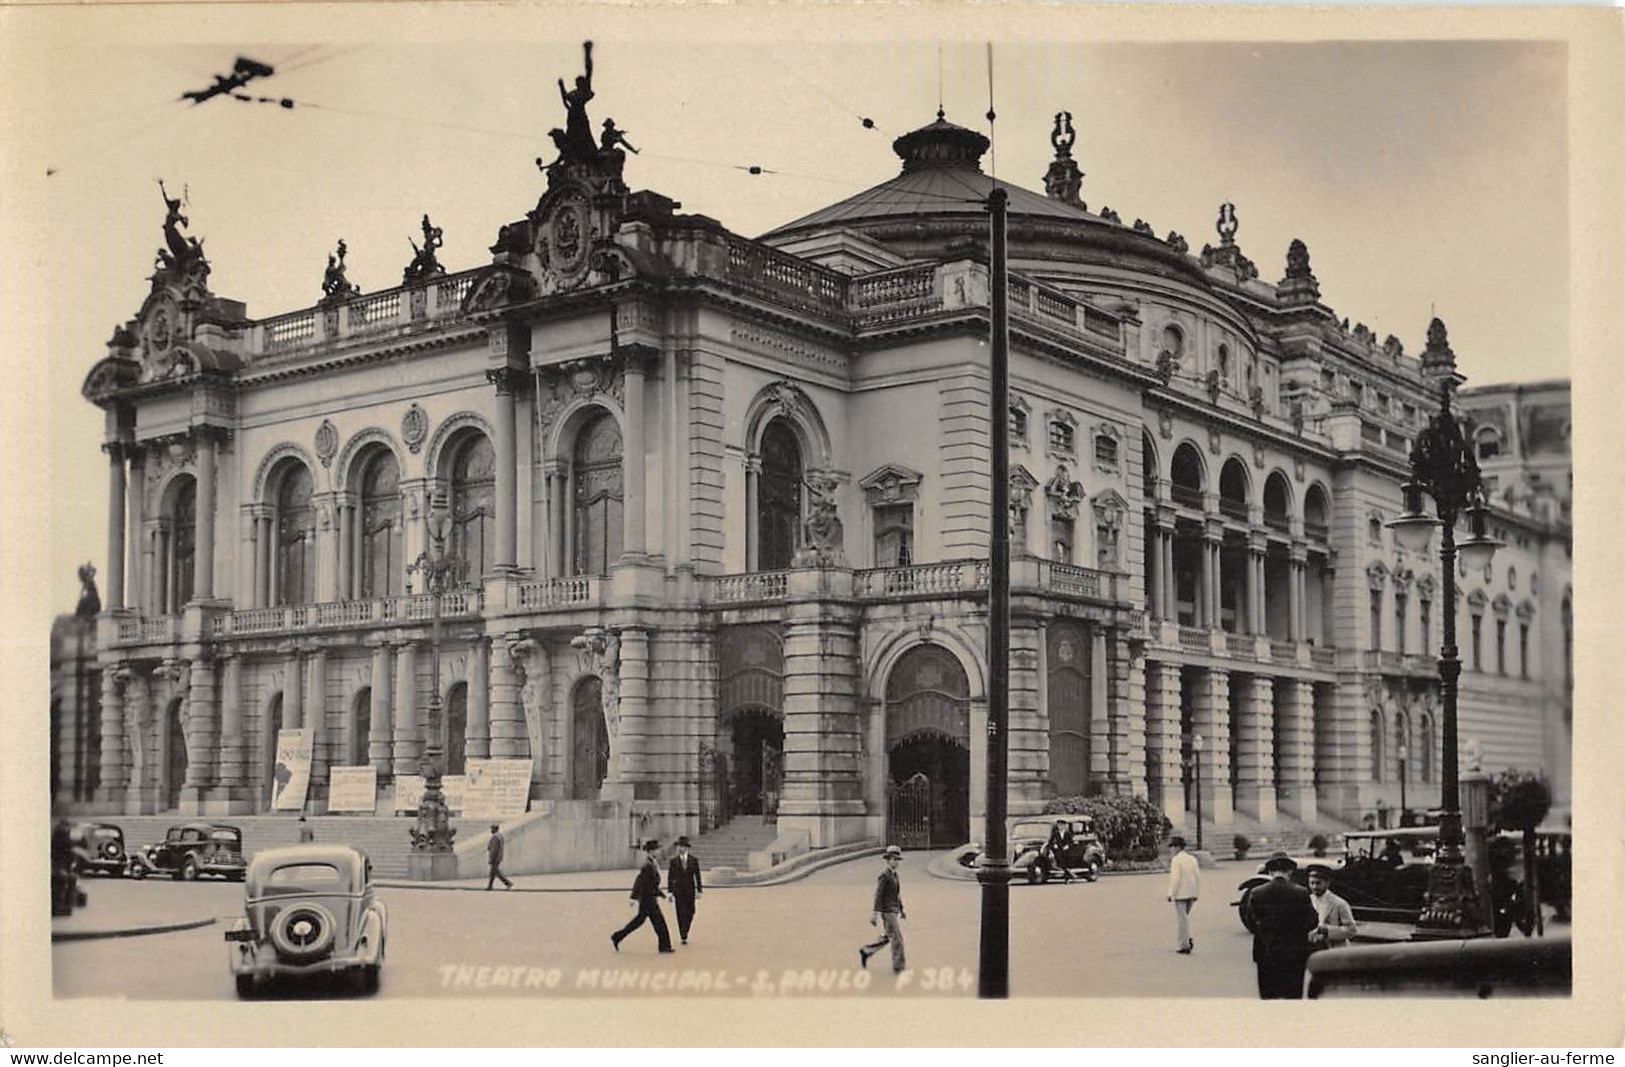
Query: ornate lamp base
point(1450, 911)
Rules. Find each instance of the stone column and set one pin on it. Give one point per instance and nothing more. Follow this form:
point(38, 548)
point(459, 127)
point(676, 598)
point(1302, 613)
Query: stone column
point(1255, 746)
point(1211, 719)
point(1163, 736)
point(408, 738)
point(110, 773)
point(267, 556)
point(635, 510)
point(507, 714)
point(202, 719)
point(136, 497)
point(379, 744)
point(753, 469)
point(556, 510)
point(345, 512)
point(875, 779)
point(1295, 590)
point(203, 554)
point(1128, 712)
point(233, 757)
point(114, 590)
point(166, 579)
point(507, 480)
point(823, 790)
point(629, 730)
point(320, 757)
point(477, 740)
point(1295, 747)
point(1255, 585)
point(1170, 588)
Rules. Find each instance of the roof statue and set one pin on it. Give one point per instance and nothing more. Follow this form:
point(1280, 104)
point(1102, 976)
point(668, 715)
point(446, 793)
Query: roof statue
point(90, 601)
point(1227, 224)
point(1228, 254)
point(181, 260)
point(1063, 136)
point(424, 264)
point(335, 286)
point(1177, 242)
point(575, 142)
point(612, 139)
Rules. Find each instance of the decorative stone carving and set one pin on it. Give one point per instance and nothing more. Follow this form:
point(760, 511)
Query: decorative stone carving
point(1142, 226)
point(1064, 494)
point(1178, 243)
point(891, 484)
point(602, 649)
point(1064, 180)
point(1109, 215)
point(327, 442)
point(529, 660)
point(335, 286)
point(1165, 424)
point(1258, 454)
point(425, 264)
point(414, 427)
point(1297, 467)
point(823, 536)
point(1214, 385)
point(1215, 441)
point(1376, 575)
point(1167, 366)
point(90, 601)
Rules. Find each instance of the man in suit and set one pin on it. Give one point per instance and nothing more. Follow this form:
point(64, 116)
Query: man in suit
point(683, 882)
point(888, 909)
point(1281, 917)
point(1184, 886)
point(1337, 924)
point(494, 848)
point(646, 894)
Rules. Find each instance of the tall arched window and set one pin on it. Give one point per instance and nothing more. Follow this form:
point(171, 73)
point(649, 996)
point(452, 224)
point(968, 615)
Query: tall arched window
point(1377, 754)
point(183, 554)
point(456, 726)
point(778, 498)
point(381, 564)
point(295, 537)
point(473, 504)
point(596, 470)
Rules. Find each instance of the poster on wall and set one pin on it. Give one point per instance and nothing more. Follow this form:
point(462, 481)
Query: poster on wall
point(408, 792)
point(292, 773)
point(454, 786)
point(497, 788)
point(352, 789)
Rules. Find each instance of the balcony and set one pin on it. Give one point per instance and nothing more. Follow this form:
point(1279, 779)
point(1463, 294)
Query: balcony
point(368, 316)
point(761, 587)
point(1385, 662)
point(1283, 651)
point(1324, 658)
point(1066, 580)
point(1316, 531)
point(1193, 639)
point(347, 614)
point(1422, 665)
point(923, 579)
point(147, 630)
point(580, 591)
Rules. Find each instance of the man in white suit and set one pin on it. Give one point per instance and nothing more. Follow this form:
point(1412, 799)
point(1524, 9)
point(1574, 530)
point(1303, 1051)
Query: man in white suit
point(1184, 886)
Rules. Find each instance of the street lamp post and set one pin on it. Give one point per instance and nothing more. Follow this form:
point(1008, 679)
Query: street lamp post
point(1196, 760)
point(1443, 467)
point(1404, 773)
point(432, 858)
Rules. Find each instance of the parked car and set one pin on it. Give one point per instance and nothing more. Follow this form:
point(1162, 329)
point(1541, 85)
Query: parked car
point(1083, 855)
point(98, 848)
point(308, 910)
point(1482, 968)
point(1383, 874)
point(192, 850)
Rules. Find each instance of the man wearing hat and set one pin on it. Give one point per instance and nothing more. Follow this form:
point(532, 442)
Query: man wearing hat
point(1281, 917)
point(683, 880)
point(646, 894)
point(1184, 886)
point(888, 910)
point(494, 848)
point(1337, 925)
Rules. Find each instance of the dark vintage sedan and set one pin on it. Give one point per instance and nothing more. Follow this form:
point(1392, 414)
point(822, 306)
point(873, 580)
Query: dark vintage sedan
point(1383, 874)
point(308, 910)
point(191, 851)
point(98, 848)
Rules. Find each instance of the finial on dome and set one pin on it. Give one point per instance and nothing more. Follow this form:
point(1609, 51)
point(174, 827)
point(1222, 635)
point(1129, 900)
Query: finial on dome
point(940, 144)
point(1063, 181)
point(1227, 224)
point(941, 114)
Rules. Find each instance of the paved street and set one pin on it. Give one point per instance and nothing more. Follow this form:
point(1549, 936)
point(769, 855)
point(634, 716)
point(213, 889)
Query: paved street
point(1112, 938)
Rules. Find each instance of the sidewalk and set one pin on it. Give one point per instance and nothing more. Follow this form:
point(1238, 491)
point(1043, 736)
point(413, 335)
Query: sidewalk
point(81, 926)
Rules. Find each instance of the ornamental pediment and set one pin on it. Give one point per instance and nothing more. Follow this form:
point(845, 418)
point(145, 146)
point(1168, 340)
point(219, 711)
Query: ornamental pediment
point(891, 483)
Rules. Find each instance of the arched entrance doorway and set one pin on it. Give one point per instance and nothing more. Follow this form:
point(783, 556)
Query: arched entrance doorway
point(928, 750)
point(456, 739)
point(174, 756)
point(741, 767)
point(589, 763)
point(751, 751)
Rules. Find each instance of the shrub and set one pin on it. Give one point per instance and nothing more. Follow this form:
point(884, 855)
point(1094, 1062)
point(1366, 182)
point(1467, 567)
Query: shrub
point(1243, 844)
point(1126, 824)
point(1318, 844)
point(1518, 800)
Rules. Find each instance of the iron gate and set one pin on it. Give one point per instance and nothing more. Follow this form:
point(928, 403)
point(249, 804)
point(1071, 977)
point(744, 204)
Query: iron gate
point(772, 782)
point(908, 812)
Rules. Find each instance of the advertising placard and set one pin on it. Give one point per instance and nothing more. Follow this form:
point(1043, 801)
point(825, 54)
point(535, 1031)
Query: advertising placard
point(292, 772)
point(497, 788)
point(352, 789)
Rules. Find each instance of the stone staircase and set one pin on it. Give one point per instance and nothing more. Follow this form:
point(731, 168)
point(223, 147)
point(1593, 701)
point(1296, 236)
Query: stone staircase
point(1285, 834)
point(384, 840)
point(731, 844)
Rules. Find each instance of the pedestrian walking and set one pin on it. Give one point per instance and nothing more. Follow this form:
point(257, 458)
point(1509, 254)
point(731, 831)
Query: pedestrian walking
point(683, 883)
point(307, 833)
point(1184, 886)
point(1337, 926)
point(646, 894)
point(888, 910)
point(495, 847)
point(1281, 917)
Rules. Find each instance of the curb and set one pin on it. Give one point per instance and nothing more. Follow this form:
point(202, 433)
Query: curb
point(130, 931)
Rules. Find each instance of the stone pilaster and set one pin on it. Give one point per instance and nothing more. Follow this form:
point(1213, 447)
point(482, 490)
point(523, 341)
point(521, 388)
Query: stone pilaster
point(408, 737)
point(630, 726)
point(507, 716)
point(477, 741)
point(139, 795)
point(202, 729)
point(1295, 748)
point(380, 745)
point(233, 769)
point(1254, 701)
point(1100, 737)
point(1029, 755)
point(316, 713)
point(1163, 737)
point(1211, 719)
point(1128, 713)
point(110, 791)
point(823, 744)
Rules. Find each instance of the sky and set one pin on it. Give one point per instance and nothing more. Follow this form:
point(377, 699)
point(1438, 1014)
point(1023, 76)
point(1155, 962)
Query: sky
point(1425, 177)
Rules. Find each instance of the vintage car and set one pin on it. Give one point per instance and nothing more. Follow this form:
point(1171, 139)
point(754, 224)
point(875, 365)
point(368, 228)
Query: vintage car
point(1536, 966)
point(192, 850)
point(98, 848)
point(308, 910)
point(1383, 874)
point(1083, 855)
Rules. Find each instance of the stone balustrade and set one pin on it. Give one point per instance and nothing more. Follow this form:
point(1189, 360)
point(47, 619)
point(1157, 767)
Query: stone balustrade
point(361, 316)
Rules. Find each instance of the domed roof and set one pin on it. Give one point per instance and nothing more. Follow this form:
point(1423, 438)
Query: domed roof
point(942, 175)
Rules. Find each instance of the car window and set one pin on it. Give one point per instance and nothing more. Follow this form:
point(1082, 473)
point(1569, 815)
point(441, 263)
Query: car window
point(227, 836)
point(1030, 829)
point(192, 835)
point(306, 876)
point(173, 835)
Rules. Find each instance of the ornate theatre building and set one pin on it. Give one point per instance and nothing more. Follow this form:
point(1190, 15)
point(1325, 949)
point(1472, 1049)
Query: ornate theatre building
point(723, 505)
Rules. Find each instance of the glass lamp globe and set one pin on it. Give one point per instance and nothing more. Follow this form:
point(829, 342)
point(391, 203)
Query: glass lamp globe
point(1413, 529)
point(1477, 550)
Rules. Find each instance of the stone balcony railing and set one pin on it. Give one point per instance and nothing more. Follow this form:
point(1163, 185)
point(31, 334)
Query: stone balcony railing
point(750, 588)
point(147, 630)
point(363, 316)
point(577, 592)
point(347, 614)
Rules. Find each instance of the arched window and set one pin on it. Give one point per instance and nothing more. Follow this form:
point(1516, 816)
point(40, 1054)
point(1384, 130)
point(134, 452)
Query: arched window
point(361, 727)
point(1186, 475)
point(183, 554)
point(473, 504)
point(382, 568)
point(456, 727)
point(1316, 514)
point(1377, 754)
point(295, 537)
point(1233, 489)
point(1276, 502)
point(778, 498)
point(599, 496)
point(1173, 341)
point(1489, 443)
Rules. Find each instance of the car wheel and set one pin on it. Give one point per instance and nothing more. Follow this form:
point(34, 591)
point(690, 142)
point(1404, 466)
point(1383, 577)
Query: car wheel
point(245, 986)
point(137, 871)
point(188, 871)
point(1092, 872)
point(303, 932)
point(1035, 874)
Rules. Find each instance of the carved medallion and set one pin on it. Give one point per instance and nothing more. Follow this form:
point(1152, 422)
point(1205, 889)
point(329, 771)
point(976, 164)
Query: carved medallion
point(567, 239)
point(327, 442)
point(414, 428)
